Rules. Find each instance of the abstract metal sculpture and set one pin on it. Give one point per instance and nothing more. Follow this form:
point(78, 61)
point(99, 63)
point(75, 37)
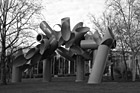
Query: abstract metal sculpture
point(68, 43)
point(101, 58)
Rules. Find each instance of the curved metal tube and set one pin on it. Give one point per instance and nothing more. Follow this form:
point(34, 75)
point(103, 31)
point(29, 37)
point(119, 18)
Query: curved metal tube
point(88, 44)
point(44, 45)
point(65, 29)
point(101, 58)
point(36, 58)
point(46, 29)
point(40, 37)
point(80, 24)
point(31, 53)
point(65, 53)
point(19, 61)
point(97, 37)
point(78, 36)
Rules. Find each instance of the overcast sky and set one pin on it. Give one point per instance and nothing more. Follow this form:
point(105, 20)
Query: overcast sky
point(77, 10)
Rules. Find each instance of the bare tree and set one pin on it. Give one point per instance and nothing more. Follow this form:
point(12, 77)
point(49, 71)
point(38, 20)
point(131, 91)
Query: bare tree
point(123, 17)
point(15, 26)
point(101, 24)
point(126, 19)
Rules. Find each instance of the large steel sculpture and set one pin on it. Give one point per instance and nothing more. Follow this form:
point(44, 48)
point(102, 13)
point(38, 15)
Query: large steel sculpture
point(70, 44)
point(101, 58)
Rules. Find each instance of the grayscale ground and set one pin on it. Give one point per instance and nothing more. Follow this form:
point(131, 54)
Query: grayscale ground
point(67, 85)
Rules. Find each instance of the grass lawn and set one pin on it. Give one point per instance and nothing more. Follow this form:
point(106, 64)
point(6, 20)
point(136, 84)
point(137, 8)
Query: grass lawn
point(68, 85)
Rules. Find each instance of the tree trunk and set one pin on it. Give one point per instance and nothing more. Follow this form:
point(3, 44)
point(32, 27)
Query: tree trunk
point(3, 63)
point(3, 52)
point(112, 65)
point(133, 68)
point(126, 68)
point(3, 68)
point(112, 74)
point(125, 72)
point(3, 57)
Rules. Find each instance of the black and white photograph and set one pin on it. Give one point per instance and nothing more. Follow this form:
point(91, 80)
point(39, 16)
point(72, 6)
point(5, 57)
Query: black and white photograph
point(69, 46)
